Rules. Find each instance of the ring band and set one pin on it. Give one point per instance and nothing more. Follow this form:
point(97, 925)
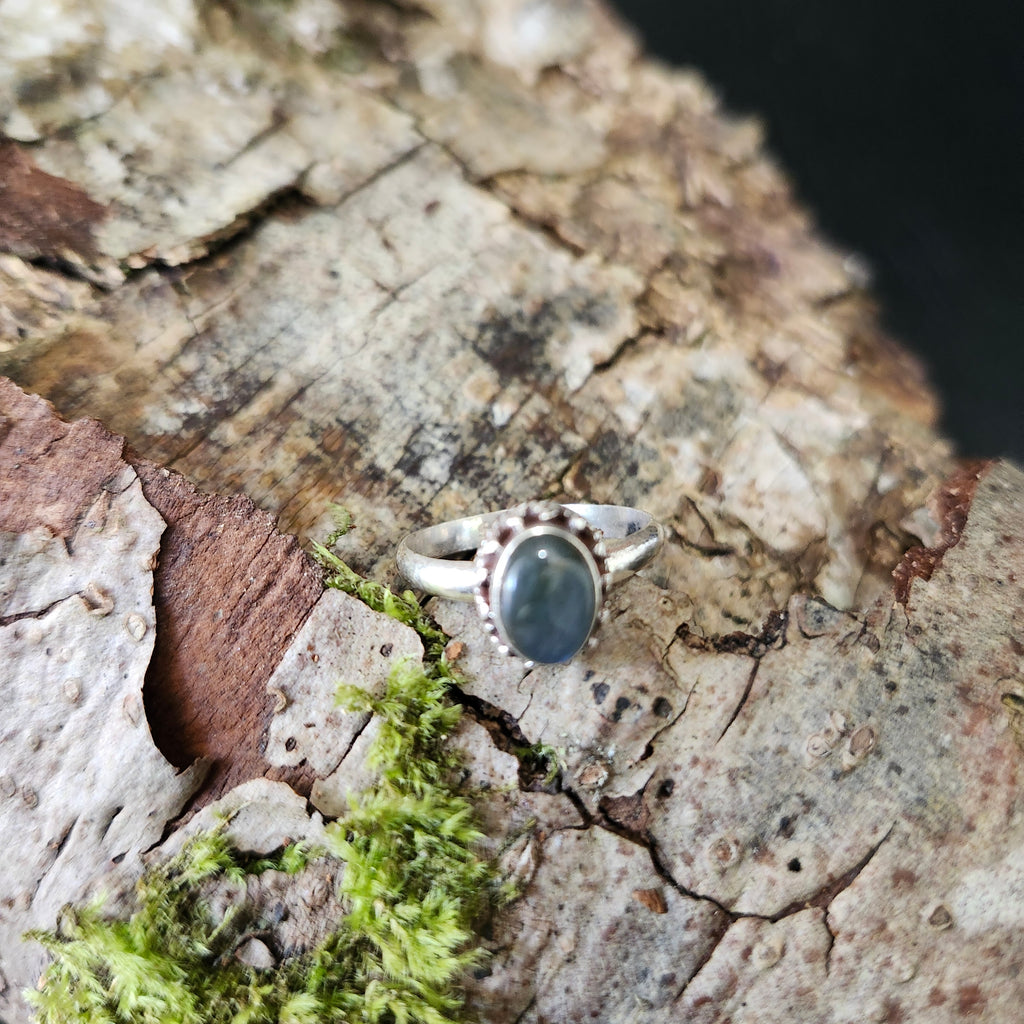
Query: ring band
point(540, 570)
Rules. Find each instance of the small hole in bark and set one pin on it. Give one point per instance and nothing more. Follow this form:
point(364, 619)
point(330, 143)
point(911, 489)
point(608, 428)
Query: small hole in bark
point(666, 789)
point(794, 864)
point(662, 708)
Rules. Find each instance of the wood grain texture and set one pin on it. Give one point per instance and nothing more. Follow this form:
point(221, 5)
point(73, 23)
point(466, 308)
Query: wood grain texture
point(587, 282)
point(427, 260)
point(230, 592)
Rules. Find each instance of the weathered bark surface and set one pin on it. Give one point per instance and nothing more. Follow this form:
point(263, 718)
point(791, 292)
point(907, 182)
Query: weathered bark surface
point(82, 785)
point(429, 260)
point(579, 279)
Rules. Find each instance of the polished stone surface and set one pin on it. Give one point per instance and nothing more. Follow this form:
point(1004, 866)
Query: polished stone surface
point(546, 598)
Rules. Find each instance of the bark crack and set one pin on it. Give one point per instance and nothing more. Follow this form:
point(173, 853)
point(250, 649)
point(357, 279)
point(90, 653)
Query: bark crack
point(624, 346)
point(90, 597)
point(526, 1009)
point(716, 940)
point(663, 873)
point(509, 738)
point(824, 897)
point(752, 675)
point(588, 819)
point(32, 613)
point(111, 815)
point(348, 750)
point(278, 120)
point(548, 231)
point(831, 941)
point(648, 750)
point(247, 222)
point(712, 550)
point(755, 645)
point(62, 840)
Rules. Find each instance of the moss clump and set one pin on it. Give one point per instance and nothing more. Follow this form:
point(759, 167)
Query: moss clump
point(156, 965)
point(411, 881)
point(411, 878)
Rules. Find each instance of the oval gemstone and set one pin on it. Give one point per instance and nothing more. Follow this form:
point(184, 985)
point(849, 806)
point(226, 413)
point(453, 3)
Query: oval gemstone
point(546, 598)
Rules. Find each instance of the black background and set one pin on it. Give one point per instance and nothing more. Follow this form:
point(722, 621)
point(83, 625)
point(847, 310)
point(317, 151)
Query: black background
point(901, 124)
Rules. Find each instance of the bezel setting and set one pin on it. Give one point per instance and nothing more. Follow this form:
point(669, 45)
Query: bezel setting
point(504, 539)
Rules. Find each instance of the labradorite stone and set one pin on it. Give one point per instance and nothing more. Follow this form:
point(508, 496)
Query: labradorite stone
point(547, 599)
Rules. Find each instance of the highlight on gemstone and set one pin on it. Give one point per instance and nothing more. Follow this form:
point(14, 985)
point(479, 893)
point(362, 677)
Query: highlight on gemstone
point(547, 598)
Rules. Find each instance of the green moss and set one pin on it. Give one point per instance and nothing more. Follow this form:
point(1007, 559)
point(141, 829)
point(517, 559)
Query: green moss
point(411, 882)
point(412, 878)
point(343, 522)
point(543, 761)
point(380, 598)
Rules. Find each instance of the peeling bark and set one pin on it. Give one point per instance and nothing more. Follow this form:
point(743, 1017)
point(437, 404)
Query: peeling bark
point(425, 261)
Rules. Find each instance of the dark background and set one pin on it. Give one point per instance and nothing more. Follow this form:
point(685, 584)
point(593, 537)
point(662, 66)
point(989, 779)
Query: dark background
point(901, 124)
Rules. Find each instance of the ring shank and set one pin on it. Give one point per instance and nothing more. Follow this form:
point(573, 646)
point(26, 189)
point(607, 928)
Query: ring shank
point(632, 539)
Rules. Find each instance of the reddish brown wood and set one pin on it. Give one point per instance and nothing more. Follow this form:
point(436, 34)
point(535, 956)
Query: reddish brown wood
point(50, 470)
point(230, 590)
point(43, 216)
point(952, 503)
point(230, 593)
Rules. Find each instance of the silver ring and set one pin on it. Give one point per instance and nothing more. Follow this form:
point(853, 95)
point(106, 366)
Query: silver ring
point(539, 572)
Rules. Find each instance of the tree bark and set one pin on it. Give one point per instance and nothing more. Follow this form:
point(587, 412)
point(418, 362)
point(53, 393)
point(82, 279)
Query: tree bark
point(425, 260)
